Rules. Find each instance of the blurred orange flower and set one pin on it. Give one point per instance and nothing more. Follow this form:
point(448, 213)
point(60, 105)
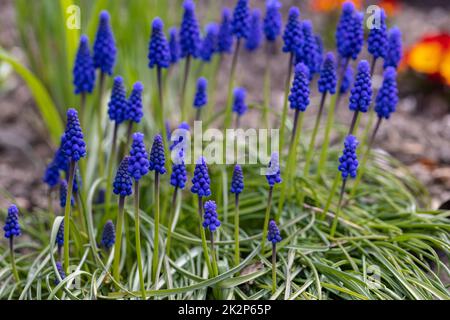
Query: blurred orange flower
point(330, 5)
point(431, 56)
point(390, 6)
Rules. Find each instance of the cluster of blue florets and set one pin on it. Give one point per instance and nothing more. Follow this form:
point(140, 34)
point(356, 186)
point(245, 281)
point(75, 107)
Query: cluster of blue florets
point(349, 161)
point(210, 217)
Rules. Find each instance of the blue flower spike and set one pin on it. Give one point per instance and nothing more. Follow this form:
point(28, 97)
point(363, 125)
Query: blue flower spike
point(387, 97)
point(299, 97)
point(237, 181)
point(83, 69)
point(201, 95)
point(157, 159)
point(347, 80)
point(272, 20)
point(361, 93)
point(134, 108)
point(209, 44)
point(158, 48)
point(255, 31)
point(394, 48)
point(239, 105)
point(174, 46)
point(118, 104)
point(108, 235)
point(138, 163)
point(348, 162)
point(122, 185)
point(73, 147)
point(377, 41)
point(240, 24)
point(210, 217)
point(61, 272)
point(273, 174)
point(327, 80)
point(105, 46)
point(273, 234)
point(178, 177)
point(12, 226)
point(189, 36)
point(200, 181)
point(225, 35)
point(308, 53)
point(292, 35)
point(350, 32)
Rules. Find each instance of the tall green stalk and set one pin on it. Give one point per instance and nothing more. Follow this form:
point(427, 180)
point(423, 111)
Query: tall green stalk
point(99, 123)
point(119, 235)
point(331, 193)
point(236, 230)
point(266, 220)
point(187, 66)
point(160, 110)
point(172, 215)
point(287, 86)
point(155, 257)
point(228, 113)
point(274, 267)
point(138, 238)
point(13, 260)
point(336, 216)
point(112, 157)
point(203, 236)
point(72, 168)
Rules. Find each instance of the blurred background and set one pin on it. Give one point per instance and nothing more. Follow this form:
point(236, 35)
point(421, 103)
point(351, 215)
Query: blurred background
point(37, 51)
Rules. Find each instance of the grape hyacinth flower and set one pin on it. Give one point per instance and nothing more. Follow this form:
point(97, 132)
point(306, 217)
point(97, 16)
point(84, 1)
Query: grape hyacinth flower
point(237, 186)
point(225, 35)
point(201, 96)
point(274, 237)
point(174, 46)
point(350, 32)
point(253, 40)
point(377, 42)
point(104, 46)
point(51, 175)
point(209, 44)
point(361, 93)
point(272, 20)
point(182, 134)
point(347, 81)
point(308, 52)
point(348, 166)
point(12, 229)
point(61, 273)
point(108, 235)
point(134, 111)
point(83, 69)
point(326, 85)
point(117, 105)
point(241, 21)
point(293, 39)
point(394, 49)
point(210, 218)
point(63, 194)
point(122, 187)
point(74, 148)
point(138, 166)
point(156, 163)
point(273, 176)
point(299, 98)
point(239, 105)
point(60, 238)
point(158, 48)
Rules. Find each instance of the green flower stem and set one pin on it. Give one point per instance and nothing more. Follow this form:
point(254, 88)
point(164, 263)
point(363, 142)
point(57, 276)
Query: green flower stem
point(336, 216)
point(371, 109)
point(228, 113)
point(138, 237)
point(112, 156)
point(274, 267)
point(365, 157)
point(13, 260)
point(213, 254)
point(172, 216)
point(330, 196)
point(266, 220)
point(119, 235)
point(187, 66)
point(287, 86)
point(155, 257)
point(267, 85)
point(289, 172)
point(160, 110)
point(330, 121)
point(203, 236)
point(68, 207)
point(82, 108)
point(127, 143)
point(99, 124)
point(236, 230)
point(354, 123)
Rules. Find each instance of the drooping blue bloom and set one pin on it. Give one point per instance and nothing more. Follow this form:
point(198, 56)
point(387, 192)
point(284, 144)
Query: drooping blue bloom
point(122, 185)
point(225, 36)
point(387, 97)
point(273, 174)
point(253, 40)
point(348, 161)
point(361, 93)
point(327, 80)
point(182, 135)
point(12, 225)
point(118, 104)
point(108, 235)
point(134, 104)
point(60, 159)
point(201, 95)
point(104, 46)
point(83, 68)
point(158, 48)
point(239, 105)
point(394, 50)
point(273, 234)
point(272, 20)
point(209, 44)
point(350, 32)
point(347, 80)
point(51, 175)
point(299, 97)
point(138, 160)
point(61, 272)
point(237, 181)
point(377, 42)
point(210, 217)
point(60, 235)
point(63, 194)
point(308, 53)
point(157, 159)
point(200, 180)
point(178, 177)
point(73, 147)
point(241, 19)
point(292, 35)
point(189, 31)
point(174, 46)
